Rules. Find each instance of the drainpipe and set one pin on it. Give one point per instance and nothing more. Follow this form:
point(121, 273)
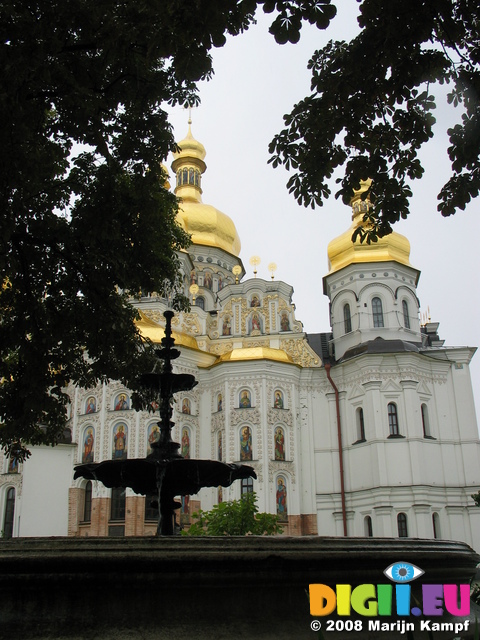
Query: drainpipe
point(340, 449)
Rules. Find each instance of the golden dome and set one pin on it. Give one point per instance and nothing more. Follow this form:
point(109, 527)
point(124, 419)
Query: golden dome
point(154, 332)
point(207, 225)
point(256, 353)
point(343, 252)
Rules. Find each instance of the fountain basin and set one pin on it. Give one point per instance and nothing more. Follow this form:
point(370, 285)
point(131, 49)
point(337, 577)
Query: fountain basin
point(202, 588)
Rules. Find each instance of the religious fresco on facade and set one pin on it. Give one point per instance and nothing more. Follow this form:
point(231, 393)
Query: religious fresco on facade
point(278, 399)
point(185, 451)
point(220, 446)
point(220, 283)
point(186, 407)
point(255, 301)
point(284, 322)
point(122, 401)
point(246, 444)
point(207, 280)
point(219, 402)
point(119, 449)
point(153, 434)
point(226, 326)
point(91, 405)
point(279, 441)
point(281, 498)
point(255, 323)
point(193, 277)
point(12, 465)
point(245, 399)
point(88, 445)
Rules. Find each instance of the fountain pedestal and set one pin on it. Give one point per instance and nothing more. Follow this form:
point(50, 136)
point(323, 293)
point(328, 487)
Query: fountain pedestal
point(202, 588)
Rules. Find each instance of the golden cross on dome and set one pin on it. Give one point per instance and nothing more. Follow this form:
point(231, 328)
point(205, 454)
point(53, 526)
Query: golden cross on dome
point(189, 106)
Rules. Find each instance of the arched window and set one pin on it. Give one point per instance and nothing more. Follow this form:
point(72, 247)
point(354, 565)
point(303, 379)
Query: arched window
point(377, 311)
point(87, 503)
point(393, 419)
point(406, 317)
point(117, 504)
point(436, 526)
point(425, 421)
point(200, 302)
point(360, 425)
point(347, 318)
point(9, 514)
point(367, 524)
point(402, 525)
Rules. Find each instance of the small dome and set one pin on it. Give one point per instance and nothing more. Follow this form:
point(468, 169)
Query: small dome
point(191, 149)
point(343, 252)
point(207, 225)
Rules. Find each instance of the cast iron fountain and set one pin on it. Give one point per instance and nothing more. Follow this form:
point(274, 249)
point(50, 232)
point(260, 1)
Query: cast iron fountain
point(165, 472)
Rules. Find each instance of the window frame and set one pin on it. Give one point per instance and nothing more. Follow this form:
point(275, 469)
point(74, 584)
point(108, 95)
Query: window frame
point(118, 499)
point(393, 421)
point(377, 313)
point(360, 424)
point(406, 315)
point(87, 502)
point(347, 318)
point(246, 486)
point(368, 526)
point(9, 512)
point(427, 432)
point(402, 525)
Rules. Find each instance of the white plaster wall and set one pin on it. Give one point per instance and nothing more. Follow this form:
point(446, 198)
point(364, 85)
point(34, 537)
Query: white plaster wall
point(43, 506)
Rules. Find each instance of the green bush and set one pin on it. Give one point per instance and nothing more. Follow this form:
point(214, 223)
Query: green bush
point(235, 518)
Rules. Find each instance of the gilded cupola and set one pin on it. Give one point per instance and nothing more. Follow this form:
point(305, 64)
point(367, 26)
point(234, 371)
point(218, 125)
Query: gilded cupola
point(343, 252)
point(207, 225)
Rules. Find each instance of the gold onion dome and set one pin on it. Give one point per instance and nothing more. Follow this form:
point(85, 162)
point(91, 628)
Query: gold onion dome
point(343, 252)
point(207, 225)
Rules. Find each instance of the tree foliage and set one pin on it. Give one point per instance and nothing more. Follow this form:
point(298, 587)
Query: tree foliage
point(371, 108)
point(236, 518)
point(85, 216)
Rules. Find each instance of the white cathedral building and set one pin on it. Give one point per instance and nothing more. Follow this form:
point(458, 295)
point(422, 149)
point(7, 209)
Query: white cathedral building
point(368, 429)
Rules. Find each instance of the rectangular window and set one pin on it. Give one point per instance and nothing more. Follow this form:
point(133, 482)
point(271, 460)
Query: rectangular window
point(393, 419)
point(117, 506)
point(247, 485)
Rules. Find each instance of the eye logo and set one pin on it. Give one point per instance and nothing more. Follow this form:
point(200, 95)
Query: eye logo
point(403, 572)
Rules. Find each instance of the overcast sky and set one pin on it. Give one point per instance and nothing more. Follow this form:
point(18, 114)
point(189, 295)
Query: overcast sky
point(256, 82)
